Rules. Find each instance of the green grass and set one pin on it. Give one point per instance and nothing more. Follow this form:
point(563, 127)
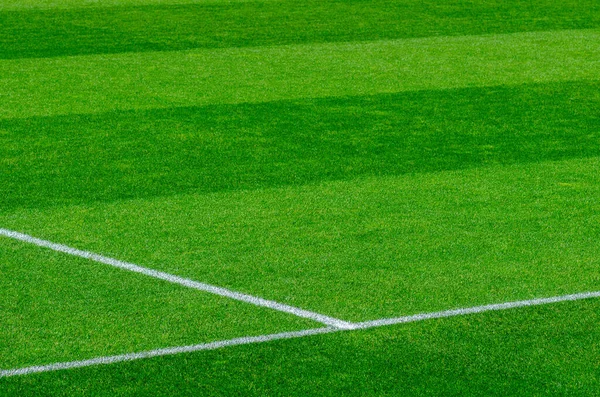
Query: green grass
point(57, 308)
point(100, 83)
point(360, 159)
point(364, 249)
point(13, 5)
point(119, 155)
point(549, 350)
point(46, 33)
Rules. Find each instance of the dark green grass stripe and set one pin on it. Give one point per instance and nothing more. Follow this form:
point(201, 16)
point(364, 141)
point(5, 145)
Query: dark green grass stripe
point(121, 155)
point(543, 351)
point(50, 33)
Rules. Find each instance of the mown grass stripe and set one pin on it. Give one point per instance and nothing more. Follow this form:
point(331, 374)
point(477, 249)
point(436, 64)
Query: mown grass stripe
point(82, 159)
point(292, 335)
point(59, 308)
point(253, 300)
point(367, 247)
point(92, 84)
point(51, 33)
point(24, 5)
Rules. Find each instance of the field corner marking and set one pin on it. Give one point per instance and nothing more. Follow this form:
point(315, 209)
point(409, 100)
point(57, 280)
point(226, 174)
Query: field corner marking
point(296, 334)
point(169, 351)
point(213, 289)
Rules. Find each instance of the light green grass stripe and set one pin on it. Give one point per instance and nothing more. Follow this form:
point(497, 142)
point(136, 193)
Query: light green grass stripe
point(367, 248)
point(6, 5)
point(56, 307)
point(174, 279)
point(87, 84)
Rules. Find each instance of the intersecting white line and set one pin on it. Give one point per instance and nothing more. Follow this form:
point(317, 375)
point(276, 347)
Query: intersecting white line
point(165, 352)
point(476, 309)
point(295, 334)
point(323, 319)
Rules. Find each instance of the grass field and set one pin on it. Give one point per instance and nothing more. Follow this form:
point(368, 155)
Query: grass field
point(292, 198)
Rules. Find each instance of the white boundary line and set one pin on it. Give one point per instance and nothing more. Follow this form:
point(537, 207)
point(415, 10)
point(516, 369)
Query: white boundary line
point(165, 352)
point(476, 309)
point(330, 321)
point(291, 335)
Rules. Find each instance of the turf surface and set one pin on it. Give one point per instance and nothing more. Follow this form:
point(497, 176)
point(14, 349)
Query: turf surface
point(113, 156)
point(497, 354)
point(49, 33)
point(58, 309)
point(100, 83)
point(13, 5)
point(364, 249)
point(361, 159)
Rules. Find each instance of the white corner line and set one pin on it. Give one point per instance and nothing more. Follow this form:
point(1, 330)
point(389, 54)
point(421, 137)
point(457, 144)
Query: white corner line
point(476, 309)
point(169, 351)
point(295, 334)
point(326, 320)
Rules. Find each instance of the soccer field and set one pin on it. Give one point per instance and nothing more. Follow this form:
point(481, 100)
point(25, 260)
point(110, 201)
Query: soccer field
point(299, 198)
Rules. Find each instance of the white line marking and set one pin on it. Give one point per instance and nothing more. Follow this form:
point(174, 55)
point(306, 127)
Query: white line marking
point(476, 309)
point(165, 352)
point(330, 321)
point(296, 334)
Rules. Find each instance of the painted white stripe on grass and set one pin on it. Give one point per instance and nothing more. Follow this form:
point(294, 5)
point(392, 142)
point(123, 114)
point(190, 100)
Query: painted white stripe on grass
point(165, 352)
point(296, 334)
point(476, 309)
point(333, 322)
